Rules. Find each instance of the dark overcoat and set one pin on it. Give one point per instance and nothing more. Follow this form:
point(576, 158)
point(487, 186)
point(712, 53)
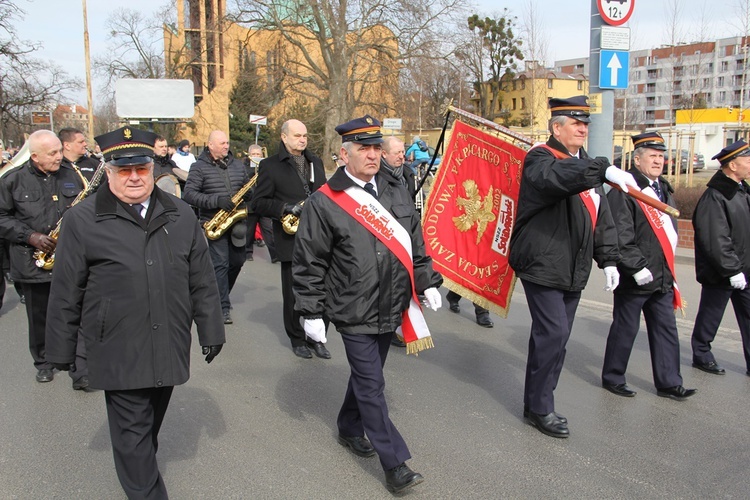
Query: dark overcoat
point(135, 288)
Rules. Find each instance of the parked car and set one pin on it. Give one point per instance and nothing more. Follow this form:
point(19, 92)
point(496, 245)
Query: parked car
point(698, 162)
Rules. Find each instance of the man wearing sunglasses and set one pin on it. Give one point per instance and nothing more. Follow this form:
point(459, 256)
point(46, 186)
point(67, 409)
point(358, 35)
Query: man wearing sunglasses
point(133, 272)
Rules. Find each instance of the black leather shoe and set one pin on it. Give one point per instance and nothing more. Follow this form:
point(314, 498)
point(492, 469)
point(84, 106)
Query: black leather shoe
point(227, 318)
point(678, 393)
point(454, 307)
point(81, 384)
point(44, 376)
point(401, 477)
point(710, 367)
point(358, 445)
point(620, 390)
point(485, 321)
point(319, 349)
point(397, 341)
point(249, 258)
point(548, 424)
point(559, 417)
point(302, 351)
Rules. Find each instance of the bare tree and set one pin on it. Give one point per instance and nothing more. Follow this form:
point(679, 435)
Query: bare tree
point(346, 55)
point(535, 46)
point(25, 83)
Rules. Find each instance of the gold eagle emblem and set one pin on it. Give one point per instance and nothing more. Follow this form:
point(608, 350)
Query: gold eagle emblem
point(127, 134)
point(477, 210)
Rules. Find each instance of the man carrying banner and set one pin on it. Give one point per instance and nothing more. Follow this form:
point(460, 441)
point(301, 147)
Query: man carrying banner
point(647, 239)
point(359, 260)
point(563, 221)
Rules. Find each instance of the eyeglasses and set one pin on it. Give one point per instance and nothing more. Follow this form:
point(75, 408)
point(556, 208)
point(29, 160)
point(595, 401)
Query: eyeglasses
point(126, 172)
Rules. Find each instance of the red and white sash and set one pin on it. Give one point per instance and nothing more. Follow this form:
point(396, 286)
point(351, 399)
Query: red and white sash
point(368, 211)
point(589, 197)
point(664, 230)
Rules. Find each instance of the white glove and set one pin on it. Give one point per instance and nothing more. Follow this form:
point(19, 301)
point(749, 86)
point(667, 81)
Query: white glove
point(620, 177)
point(315, 329)
point(738, 281)
point(643, 277)
point(433, 298)
point(613, 278)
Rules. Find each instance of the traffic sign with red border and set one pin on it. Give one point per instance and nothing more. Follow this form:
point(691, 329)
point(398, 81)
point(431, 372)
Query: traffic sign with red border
point(615, 12)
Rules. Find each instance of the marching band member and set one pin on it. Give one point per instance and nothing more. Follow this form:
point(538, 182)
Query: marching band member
point(647, 239)
point(286, 180)
point(563, 221)
point(213, 179)
point(359, 260)
point(33, 197)
point(75, 152)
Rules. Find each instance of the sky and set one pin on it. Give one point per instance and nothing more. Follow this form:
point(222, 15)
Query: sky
point(58, 25)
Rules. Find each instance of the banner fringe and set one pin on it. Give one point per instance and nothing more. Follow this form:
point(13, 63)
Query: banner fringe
point(419, 345)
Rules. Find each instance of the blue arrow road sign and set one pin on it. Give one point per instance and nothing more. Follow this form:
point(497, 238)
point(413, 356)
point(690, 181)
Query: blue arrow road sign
point(613, 69)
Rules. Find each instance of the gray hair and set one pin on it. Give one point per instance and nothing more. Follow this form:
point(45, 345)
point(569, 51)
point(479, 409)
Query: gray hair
point(255, 147)
point(559, 119)
point(37, 138)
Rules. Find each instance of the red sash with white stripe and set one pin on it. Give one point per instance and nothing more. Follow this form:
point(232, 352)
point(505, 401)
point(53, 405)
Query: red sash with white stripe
point(586, 197)
point(368, 212)
point(662, 226)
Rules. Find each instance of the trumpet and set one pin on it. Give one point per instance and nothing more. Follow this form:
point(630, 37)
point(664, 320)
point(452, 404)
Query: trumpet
point(290, 222)
point(46, 260)
point(224, 219)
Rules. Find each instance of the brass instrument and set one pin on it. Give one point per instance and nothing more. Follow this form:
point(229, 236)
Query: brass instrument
point(290, 222)
point(47, 261)
point(224, 219)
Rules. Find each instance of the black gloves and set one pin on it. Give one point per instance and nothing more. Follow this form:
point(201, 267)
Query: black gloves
point(42, 242)
point(295, 210)
point(225, 203)
point(211, 351)
point(602, 162)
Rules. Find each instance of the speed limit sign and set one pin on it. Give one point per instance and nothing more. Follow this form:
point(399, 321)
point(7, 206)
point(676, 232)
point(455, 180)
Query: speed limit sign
point(615, 12)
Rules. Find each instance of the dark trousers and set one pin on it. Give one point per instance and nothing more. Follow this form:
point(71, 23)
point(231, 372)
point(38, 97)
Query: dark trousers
point(292, 323)
point(710, 312)
point(227, 260)
point(364, 410)
point(37, 297)
point(266, 229)
point(135, 417)
point(663, 340)
point(552, 314)
point(453, 298)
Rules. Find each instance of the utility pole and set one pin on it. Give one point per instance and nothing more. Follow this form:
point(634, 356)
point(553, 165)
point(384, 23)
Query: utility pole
point(87, 57)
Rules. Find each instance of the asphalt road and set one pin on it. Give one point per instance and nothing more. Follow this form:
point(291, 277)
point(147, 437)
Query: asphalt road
point(260, 423)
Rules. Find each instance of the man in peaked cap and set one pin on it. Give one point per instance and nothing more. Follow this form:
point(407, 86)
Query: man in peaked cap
point(647, 241)
point(358, 244)
point(722, 260)
point(563, 223)
point(33, 197)
point(133, 273)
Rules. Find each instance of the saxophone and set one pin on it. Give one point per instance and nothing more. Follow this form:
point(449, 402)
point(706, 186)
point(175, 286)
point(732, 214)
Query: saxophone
point(290, 222)
point(47, 260)
point(224, 219)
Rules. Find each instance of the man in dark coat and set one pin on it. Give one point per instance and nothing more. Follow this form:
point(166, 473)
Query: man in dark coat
point(254, 157)
point(358, 247)
point(75, 152)
point(722, 254)
point(563, 222)
point(133, 272)
point(213, 180)
point(33, 198)
point(647, 241)
point(285, 181)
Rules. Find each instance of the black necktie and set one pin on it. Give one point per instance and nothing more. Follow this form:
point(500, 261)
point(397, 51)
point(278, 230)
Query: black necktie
point(138, 208)
point(371, 189)
point(657, 190)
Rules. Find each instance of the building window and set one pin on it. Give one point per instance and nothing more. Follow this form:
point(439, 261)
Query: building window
point(720, 81)
point(737, 96)
point(708, 98)
point(580, 84)
point(650, 116)
point(523, 83)
point(650, 87)
point(513, 101)
point(706, 82)
point(738, 79)
point(740, 64)
point(710, 66)
point(650, 101)
point(523, 103)
point(638, 75)
point(722, 97)
point(652, 73)
point(724, 65)
point(549, 83)
point(513, 85)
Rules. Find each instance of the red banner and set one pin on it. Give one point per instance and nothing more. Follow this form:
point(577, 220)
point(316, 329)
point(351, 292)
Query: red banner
point(470, 215)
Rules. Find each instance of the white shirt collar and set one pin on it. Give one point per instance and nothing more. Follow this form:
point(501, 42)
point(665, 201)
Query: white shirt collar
point(360, 182)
